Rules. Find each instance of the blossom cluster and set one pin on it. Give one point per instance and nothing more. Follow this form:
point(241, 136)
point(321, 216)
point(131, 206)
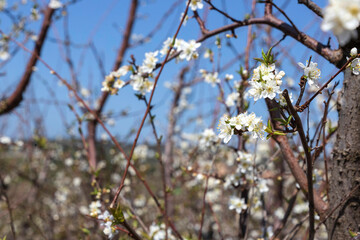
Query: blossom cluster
point(246, 173)
point(208, 138)
point(265, 82)
point(211, 78)
point(157, 232)
point(112, 82)
point(140, 77)
point(105, 217)
point(241, 123)
point(188, 50)
point(342, 17)
point(109, 230)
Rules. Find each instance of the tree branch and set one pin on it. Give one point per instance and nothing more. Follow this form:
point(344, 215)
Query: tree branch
point(312, 6)
point(16, 97)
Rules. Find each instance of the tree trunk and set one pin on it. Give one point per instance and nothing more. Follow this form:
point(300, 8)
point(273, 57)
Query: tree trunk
point(345, 165)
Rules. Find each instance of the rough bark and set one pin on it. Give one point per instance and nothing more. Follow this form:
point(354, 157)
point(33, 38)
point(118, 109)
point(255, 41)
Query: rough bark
point(345, 166)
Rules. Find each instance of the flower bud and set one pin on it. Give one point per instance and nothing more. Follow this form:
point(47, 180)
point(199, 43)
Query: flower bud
point(353, 52)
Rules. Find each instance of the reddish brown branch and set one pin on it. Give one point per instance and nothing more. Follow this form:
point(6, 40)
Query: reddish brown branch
point(17, 96)
point(312, 6)
point(335, 57)
point(309, 164)
point(292, 161)
point(119, 59)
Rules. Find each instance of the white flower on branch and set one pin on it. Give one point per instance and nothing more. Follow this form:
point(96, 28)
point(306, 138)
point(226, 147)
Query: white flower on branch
point(242, 122)
point(311, 72)
point(231, 99)
point(212, 78)
point(109, 229)
point(355, 66)
point(188, 50)
point(196, 4)
point(55, 4)
point(342, 17)
point(141, 84)
point(265, 83)
point(353, 52)
point(149, 62)
point(237, 203)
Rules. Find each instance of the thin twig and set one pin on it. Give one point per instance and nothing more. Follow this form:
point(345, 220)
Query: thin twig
point(312, 6)
point(307, 103)
point(308, 161)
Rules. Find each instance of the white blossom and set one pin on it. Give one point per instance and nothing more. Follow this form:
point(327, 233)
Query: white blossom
point(143, 85)
point(94, 208)
point(55, 4)
point(185, 19)
point(4, 55)
point(311, 72)
point(34, 14)
point(149, 62)
point(166, 46)
point(263, 188)
point(342, 18)
point(5, 140)
point(212, 78)
point(229, 77)
point(158, 232)
point(237, 203)
point(109, 229)
point(188, 50)
point(112, 82)
point(208, 137)
point(355, 66)
point(196, 4)
point(231, 98)
point(226, 131)
point(282, 100)
point(353, 52)
point(265, 83)
point(243, 122)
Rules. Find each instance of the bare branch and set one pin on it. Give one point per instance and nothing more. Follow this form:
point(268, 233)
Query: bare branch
point(312, 6)
point(17, 96)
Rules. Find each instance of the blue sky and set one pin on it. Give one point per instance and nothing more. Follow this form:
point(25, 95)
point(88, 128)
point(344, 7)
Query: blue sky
point(103, 22)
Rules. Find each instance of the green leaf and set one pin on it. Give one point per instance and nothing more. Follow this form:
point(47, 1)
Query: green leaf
point(268, 130)
point(259, 60)
point(274, 109)
point(268, 136)
point(352, 234)
point(118, 215)
point(86, 231)
point(269, 125)
point(279, 133)
point(280, 120)
point(263, 54)
point(289, 119)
